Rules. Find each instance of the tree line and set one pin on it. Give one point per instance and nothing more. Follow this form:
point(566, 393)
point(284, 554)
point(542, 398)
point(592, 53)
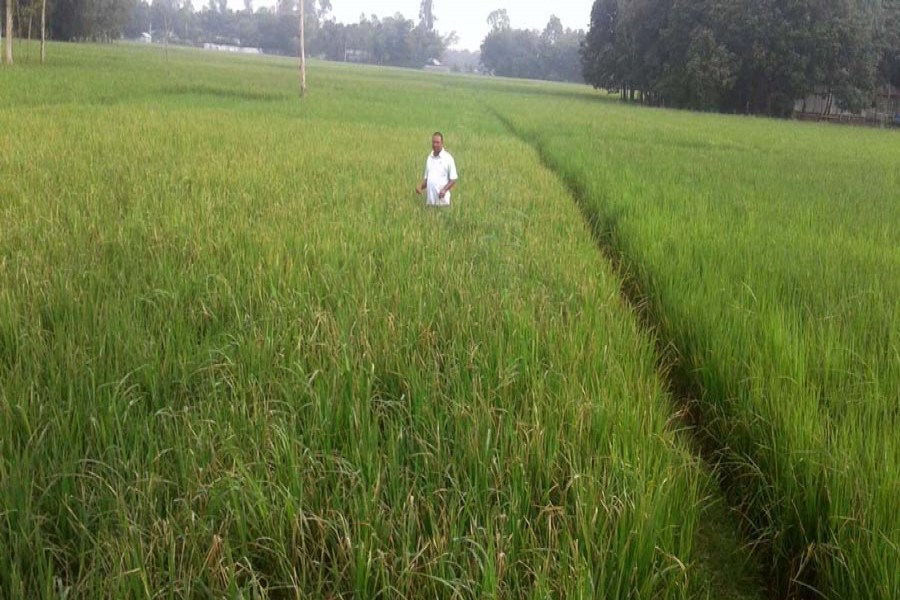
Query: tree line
point(551, 54)
point(756, 56)
point(395, 41)
point(32, 21)
point(272, 29)
point(70, 20)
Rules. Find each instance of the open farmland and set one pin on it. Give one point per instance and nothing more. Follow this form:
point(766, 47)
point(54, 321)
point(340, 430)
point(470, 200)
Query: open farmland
point(768, 253)
point(238, 356)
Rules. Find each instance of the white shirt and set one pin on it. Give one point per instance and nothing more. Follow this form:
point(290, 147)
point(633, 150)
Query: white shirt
point(439, 171)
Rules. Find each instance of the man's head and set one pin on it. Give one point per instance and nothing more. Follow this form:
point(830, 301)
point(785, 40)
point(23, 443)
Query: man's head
point(437, 142)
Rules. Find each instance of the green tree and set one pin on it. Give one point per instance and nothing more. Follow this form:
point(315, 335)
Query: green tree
point(846, 52)
point(426, 15)
point(558, 52)
point(710, 70)
point(550, 54)
point(498, 19)
point(93, 20)
point(757, 57)
point(511, 53)
point(887, 35)
point(601, 52)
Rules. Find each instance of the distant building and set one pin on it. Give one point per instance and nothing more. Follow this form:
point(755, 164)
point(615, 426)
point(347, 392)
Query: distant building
point(435, 66)
point(822, 106)
point(231, 48)
point(357, 56)
point(146, 38)
point(463, 61)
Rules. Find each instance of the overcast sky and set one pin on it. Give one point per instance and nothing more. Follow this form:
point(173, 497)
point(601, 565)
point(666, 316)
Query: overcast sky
point(467, 17)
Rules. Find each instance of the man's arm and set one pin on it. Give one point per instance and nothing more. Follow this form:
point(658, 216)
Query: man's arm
point(424, 182)
point(452, 176)
point(447, 188)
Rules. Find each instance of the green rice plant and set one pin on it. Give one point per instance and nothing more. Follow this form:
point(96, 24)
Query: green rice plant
point(768, 253)
point(239, 358)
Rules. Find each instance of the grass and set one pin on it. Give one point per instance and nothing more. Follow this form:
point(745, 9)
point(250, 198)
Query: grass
point(239, 358)
point(768, 254)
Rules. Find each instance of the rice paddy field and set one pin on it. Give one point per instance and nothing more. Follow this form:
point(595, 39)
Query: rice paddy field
point(240, 358)
point(768, 254)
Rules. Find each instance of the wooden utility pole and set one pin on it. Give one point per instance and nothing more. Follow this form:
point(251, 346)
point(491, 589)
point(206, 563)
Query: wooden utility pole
point(9, 31)
point(302, 50)
point(166, 33)
point(43, 30)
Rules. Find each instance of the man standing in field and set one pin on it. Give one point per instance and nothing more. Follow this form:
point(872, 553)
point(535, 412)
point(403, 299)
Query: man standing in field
point(440, 174)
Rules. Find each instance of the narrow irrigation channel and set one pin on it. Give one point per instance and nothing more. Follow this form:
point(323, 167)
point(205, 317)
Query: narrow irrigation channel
point(733, 559)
